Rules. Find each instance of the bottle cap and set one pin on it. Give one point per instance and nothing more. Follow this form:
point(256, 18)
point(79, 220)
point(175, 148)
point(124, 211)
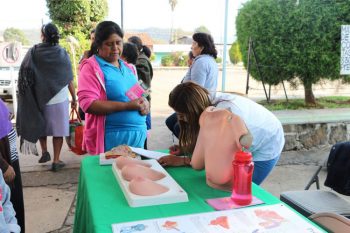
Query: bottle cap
point(243, 156)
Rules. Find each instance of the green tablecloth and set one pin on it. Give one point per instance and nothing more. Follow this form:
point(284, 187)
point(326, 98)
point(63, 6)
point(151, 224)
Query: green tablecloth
point(101, 202)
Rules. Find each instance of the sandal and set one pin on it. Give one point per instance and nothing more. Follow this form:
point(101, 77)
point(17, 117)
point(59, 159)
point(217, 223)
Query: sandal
point(45, 157)
point(57, 166)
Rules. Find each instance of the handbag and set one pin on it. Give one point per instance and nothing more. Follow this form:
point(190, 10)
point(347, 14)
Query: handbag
point(76, 133)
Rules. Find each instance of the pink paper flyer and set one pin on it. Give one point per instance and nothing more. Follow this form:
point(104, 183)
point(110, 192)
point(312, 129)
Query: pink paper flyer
point(135, 92)
point(226, 203)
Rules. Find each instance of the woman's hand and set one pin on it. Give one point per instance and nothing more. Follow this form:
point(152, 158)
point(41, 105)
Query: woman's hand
point(71, 89)
point(175, 161)
point(144, 110)
point(140, 104)
point(175, 150)
point(73, 104)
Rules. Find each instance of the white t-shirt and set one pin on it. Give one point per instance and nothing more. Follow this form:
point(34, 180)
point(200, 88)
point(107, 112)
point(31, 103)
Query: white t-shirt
point(60, 97)
point(266, 129)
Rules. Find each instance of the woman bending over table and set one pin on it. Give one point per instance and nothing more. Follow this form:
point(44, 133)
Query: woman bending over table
point(111, 117)
point(189, 100)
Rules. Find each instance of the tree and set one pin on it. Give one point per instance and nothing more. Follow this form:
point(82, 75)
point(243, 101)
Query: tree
point(173, 4)
point(293, 39)
point(235, 53)
point(202, 28)
point(264, 22)
point(77, 15)
point(76, 19)
point(14, 34)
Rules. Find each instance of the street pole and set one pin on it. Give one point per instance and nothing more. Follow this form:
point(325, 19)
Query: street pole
point(14, 90)
point(121, 14)
point(225, 48)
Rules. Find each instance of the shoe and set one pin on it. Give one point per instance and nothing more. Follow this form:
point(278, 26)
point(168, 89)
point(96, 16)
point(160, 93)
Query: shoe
point(45, 157)
point(57, 166)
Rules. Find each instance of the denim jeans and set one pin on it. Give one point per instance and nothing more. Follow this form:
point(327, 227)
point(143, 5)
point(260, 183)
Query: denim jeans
point(172, 123)
point(262, 169)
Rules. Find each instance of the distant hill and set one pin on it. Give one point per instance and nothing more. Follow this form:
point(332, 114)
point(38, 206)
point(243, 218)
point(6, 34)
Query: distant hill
point(33, 35)
point(160, 35)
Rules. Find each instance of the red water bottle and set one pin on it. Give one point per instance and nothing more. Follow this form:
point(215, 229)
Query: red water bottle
point(243, 167)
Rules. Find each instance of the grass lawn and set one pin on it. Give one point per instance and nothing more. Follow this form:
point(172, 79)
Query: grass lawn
point(293, 104)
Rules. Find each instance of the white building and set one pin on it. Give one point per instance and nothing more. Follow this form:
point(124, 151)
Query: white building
point(161, 50)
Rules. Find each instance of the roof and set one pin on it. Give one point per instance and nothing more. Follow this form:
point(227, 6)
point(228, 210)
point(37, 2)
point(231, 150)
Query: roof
point(182, 40)
point(145, 37)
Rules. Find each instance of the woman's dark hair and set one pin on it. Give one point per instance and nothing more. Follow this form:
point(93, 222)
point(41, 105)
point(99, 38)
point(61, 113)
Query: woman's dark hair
point(147, 51)
point(136, 41)
point(104, 30)
point(206, 41)
point(190, 55)
point(50, 34)
point(190, 100)
point(130, 53)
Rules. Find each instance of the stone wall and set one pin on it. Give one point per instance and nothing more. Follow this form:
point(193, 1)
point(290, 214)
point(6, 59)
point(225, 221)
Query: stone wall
point(309, 135)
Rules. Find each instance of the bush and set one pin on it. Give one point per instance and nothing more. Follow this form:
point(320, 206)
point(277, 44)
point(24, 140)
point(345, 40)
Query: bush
point(218, 60)
point(153, 57)
point(175, 59)
point(235, 53)
point(167, 60)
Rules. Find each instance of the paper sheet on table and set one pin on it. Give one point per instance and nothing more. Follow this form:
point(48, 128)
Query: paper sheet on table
point(267, 219)
point(148, 153)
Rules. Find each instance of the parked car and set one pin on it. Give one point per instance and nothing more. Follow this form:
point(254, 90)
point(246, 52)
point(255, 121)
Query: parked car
point(5, 81)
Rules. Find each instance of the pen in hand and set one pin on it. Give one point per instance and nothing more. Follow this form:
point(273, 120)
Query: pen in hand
point(173, 148)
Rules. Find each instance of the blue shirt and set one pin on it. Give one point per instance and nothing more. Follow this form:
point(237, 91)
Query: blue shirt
point(118, 81)
point(204, 71)
point(8, 221)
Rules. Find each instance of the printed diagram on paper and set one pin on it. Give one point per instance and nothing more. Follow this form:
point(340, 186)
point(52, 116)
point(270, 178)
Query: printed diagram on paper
point(270, 218)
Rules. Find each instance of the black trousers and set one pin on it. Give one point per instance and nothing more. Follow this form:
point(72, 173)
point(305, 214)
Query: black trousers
point(17, 196)
point(173, 124)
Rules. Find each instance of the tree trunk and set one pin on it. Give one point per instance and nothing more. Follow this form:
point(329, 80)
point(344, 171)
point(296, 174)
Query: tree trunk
point(309, 95)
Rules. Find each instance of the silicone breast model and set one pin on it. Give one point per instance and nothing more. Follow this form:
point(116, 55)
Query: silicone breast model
point(123, 161)
point(145, 187)
point(132, 171)
point(218, 139)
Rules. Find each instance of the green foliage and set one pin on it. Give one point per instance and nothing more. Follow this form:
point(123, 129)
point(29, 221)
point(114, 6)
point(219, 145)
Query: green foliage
point(76, 18)
point(202, 28)
point(174, 59)
point(295, 104)
point(293, 40)
point(167, 60)
point(153, 57)
point(218, 60)
point(98, 11)
point(235, 53)
point(266, 22)
point(14, 34)
point(77, 15)
point(84, 44)
point(69, 15)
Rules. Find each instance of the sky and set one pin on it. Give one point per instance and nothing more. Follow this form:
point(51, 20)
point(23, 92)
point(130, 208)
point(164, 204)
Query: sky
point(138, 14)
